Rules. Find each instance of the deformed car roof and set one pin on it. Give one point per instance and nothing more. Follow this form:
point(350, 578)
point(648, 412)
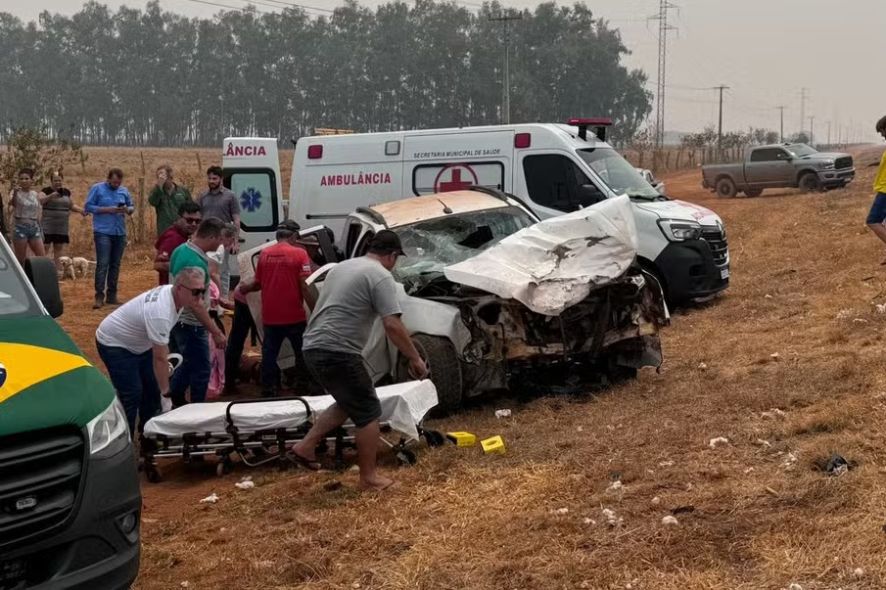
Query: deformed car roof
point(412, 210)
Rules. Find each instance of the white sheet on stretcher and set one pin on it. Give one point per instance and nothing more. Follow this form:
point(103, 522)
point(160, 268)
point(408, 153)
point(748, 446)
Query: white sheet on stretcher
point(403, 406)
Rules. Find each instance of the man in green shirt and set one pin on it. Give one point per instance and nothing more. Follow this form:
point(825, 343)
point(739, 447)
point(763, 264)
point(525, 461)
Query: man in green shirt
point(166, 198)
point(190, 333)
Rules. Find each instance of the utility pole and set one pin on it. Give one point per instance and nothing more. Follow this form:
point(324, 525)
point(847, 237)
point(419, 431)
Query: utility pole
point(804, 95)
point(506, 76)
point(721, 88)
point(781, 108)
point(829, 134)
point(812, 130)
point(663, 29)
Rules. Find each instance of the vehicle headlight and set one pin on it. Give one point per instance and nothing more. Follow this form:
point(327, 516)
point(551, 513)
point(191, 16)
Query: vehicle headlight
point(826, 165)
point(108, 427)
point(679, 230)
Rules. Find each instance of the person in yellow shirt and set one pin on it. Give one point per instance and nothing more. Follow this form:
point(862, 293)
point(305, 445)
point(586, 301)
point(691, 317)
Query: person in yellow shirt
point(877, 216)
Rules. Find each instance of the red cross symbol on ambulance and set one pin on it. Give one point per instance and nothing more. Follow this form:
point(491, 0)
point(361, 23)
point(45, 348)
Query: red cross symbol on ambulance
point(455, 177)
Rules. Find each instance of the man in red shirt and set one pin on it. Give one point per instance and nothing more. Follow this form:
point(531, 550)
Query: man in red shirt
point(177, 234)
point(280, 275)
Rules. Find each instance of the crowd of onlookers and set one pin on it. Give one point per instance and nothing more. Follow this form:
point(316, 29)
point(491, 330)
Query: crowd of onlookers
point(198, 281)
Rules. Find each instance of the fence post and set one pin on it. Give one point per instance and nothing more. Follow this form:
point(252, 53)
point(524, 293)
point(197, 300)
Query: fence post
point(142, 203)
point(199, 165)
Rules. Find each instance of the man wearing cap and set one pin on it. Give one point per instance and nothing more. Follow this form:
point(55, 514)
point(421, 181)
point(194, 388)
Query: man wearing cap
point(354, 294)
point(280, 276)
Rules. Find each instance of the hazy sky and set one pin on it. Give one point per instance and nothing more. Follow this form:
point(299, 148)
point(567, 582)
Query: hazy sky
point(765, 50)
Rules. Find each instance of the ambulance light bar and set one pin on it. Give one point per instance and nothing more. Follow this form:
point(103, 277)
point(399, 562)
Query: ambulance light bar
point(598, 123)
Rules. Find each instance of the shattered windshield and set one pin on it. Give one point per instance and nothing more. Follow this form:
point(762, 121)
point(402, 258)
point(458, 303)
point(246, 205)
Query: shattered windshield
point(432, 245)
point(618, 174)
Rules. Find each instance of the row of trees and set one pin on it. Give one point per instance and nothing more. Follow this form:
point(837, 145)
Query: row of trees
point(152, 77)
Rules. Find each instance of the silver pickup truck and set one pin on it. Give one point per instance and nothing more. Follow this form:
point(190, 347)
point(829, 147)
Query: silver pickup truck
point(779, 166)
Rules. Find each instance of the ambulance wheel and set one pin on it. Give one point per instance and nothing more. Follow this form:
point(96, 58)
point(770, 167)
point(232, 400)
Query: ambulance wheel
point(444, 368)
point(406, 457)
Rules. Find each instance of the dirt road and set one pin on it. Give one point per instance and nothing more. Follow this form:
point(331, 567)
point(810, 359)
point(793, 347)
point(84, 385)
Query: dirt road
point(788, 366)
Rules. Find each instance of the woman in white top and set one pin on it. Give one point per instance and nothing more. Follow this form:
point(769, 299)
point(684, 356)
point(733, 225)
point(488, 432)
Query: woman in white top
point(25, 205)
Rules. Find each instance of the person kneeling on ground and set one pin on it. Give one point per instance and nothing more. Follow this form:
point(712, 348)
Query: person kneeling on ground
point(354, 294)
point(133, 342)
point(280, 276)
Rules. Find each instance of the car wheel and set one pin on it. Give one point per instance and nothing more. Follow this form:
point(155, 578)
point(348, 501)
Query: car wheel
point(809, 183)
point(444, 367)
point(726, 188)
point(42, 274)
point(754, 192)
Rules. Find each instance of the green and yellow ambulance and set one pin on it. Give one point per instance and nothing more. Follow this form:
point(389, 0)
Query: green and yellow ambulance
point(69, 491)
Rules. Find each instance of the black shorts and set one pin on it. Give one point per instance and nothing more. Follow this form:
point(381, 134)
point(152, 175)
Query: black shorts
point(345, 378)
point(56, 239)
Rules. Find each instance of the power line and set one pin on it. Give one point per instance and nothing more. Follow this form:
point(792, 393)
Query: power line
point(278, 4)
point(228, 6)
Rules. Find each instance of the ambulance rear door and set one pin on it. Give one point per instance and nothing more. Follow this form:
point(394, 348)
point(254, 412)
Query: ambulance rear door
point(252, 171)
point(334, 175)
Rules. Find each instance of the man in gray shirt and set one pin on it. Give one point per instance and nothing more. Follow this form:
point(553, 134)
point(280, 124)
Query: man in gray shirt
point(354, 294)
point(219, 201)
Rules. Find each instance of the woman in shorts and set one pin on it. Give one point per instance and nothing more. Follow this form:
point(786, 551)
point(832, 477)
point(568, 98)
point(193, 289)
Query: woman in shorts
point(25, 205)
point(57, 209)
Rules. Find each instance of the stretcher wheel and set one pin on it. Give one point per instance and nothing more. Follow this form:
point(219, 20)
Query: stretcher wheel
point(434, 438)
point(406, 457)
point(152, 474)
point(224, 467)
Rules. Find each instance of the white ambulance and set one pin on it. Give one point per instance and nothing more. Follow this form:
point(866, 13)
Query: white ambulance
point(553, 168)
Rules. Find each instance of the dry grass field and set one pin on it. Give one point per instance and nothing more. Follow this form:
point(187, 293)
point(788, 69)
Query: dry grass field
point(788, 366)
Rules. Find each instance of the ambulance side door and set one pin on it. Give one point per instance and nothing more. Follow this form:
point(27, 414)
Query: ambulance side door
point(553, 183)
point(261, 208)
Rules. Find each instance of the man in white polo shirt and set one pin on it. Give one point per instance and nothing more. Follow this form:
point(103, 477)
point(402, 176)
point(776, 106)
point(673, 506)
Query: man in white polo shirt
point(133, 342)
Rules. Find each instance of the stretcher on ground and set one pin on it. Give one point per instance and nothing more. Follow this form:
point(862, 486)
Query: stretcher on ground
point(260, 431)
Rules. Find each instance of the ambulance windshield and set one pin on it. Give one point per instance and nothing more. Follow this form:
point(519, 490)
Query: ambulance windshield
point(15, 299)
point(618, 174)
point(432, 245)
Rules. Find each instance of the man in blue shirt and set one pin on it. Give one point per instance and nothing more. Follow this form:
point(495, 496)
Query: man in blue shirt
point(109, 203)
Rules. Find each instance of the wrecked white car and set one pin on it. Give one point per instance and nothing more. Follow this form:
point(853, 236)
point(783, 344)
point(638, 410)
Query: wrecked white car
point(492, 295)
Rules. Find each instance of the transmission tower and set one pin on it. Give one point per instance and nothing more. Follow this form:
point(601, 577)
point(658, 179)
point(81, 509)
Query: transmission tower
point(664, 6)
point(506, 19)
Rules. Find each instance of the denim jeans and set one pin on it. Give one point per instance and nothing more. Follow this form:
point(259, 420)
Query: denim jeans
point(108, 254)
point(193, 373)
point(270, 350)
point(133, 377)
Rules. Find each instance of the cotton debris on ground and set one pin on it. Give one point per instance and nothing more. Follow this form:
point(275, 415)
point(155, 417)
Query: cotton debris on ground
point(718, 441)
point(210, 499)
point(615, 486)
point(669, 521)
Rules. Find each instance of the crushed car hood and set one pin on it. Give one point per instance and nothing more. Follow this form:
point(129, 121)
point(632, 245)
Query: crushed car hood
point(557, 262)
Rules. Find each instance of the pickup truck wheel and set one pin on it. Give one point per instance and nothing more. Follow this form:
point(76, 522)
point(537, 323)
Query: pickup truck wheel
point(726, 188)
point(754, 192)
point(444, 367)
point(809, 183)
